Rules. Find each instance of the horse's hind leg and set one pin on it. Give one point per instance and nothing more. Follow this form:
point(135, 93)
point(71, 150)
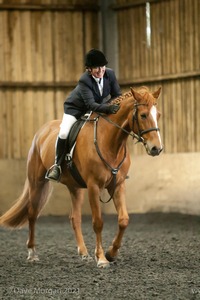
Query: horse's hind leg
point(77, 197)
point(38, 195)
point(37, 198)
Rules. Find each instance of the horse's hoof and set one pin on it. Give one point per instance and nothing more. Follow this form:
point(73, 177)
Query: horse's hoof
point(102, 264)
point(32, 256)
point(86, 258)
point(110, 258)
point(32, 259)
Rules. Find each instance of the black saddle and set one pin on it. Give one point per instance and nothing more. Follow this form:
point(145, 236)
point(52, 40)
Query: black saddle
point(74, 131)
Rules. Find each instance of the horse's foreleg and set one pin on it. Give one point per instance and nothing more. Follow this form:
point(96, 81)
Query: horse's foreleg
point(93, 193)
point(77, 198)
point(123, 219)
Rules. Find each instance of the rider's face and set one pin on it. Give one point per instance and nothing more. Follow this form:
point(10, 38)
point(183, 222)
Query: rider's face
point(98, 72)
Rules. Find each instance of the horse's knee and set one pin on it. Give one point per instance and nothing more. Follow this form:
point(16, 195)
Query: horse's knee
point(75, 222)
point(123, 223)
point(97, 224)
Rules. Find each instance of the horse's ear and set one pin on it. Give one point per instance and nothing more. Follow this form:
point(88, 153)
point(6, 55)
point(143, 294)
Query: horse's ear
point(136, 95)
point(156, 94)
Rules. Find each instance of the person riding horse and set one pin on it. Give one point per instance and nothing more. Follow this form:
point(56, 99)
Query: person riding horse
point(95, 88)
point(103, 161)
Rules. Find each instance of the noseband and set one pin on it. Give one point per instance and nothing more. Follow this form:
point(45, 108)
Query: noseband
point(135, 119)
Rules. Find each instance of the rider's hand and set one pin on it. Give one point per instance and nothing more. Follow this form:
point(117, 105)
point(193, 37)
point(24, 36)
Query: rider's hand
point(113, 108)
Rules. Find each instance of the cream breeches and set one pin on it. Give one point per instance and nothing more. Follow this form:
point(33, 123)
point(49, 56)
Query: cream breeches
point(65, 126)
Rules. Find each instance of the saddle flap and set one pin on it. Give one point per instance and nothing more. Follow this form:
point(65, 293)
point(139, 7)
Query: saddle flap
point(74, 131)
point(70, 145)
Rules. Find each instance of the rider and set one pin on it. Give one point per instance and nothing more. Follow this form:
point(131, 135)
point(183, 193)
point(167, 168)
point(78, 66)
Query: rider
point(94, 90)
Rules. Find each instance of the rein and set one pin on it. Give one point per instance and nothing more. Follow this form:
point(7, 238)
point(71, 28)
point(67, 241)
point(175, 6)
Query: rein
point(134, 135)
point(114, 171)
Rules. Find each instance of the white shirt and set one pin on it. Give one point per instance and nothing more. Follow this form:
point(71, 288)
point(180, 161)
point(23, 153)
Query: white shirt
point(99, 82)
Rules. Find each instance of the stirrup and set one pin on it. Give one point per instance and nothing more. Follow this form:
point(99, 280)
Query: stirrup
point(52, 179)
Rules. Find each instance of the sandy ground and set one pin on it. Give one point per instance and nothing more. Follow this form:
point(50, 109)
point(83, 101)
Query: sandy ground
point(159, 259)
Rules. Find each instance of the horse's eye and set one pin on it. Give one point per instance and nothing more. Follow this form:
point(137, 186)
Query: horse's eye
point(143, 116)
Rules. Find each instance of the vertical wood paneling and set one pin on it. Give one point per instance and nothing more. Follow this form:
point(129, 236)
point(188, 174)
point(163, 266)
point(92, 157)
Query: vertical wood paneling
point(174, 38)
point(3, 119)
point(26, 40)
point(10, 123)
point(29, 117)
point(2, 26)
point(15, 134)
point(36, 45)
point(140, 34)
point(196, 114)
point(47, 39)
point(39, 46)
point(174, 51)
point(91, 30)
point(122, 30)
point(196, 35)
point(78, 49)
point(49, 46)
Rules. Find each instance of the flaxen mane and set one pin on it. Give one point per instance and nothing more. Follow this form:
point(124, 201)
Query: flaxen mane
point(119, 99)
point(143, 91)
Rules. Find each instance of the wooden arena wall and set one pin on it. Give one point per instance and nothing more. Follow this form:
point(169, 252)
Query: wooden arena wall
point(169, 56)
point(42, 48)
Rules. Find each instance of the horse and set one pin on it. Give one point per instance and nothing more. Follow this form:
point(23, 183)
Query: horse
point(102, 158)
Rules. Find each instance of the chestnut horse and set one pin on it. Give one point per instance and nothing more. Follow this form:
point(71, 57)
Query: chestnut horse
point(103, 161)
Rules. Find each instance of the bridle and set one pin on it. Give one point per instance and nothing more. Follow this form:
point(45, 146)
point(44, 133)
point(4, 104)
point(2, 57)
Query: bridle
point(140, 133)
point(135, 118)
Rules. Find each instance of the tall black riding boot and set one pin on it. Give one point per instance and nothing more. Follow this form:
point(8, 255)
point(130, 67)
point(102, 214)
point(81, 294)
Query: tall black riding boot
point(55, 171)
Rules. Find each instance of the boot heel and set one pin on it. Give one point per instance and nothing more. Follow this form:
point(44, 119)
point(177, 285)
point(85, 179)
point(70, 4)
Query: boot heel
point(54, 173)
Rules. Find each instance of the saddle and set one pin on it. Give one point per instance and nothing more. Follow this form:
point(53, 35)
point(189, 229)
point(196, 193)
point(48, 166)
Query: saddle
point(70, 145)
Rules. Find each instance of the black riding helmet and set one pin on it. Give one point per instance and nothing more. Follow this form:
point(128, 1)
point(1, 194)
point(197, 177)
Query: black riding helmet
point(95, 58)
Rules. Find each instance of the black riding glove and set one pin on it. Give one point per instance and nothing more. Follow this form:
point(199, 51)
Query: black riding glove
point(113, 109)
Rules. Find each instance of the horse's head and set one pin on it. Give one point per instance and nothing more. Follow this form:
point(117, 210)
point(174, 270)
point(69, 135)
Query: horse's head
point(145, 119)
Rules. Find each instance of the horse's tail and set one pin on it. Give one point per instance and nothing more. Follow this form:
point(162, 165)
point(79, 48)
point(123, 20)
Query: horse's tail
point(17, 215)
point(36, 192)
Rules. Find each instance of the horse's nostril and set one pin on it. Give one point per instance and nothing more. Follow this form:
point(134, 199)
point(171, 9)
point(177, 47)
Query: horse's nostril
point(155, 151)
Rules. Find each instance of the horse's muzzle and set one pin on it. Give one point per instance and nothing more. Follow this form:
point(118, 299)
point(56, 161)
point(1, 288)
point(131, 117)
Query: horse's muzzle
point(155, 151)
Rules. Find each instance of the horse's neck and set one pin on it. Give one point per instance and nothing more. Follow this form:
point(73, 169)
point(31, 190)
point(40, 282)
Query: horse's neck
point(114, 138)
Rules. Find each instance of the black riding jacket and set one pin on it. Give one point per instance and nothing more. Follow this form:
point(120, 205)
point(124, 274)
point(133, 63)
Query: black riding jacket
point(86, 95)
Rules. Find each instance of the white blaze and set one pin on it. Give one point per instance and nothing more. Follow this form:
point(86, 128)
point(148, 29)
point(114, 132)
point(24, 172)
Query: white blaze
point(153, 112)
